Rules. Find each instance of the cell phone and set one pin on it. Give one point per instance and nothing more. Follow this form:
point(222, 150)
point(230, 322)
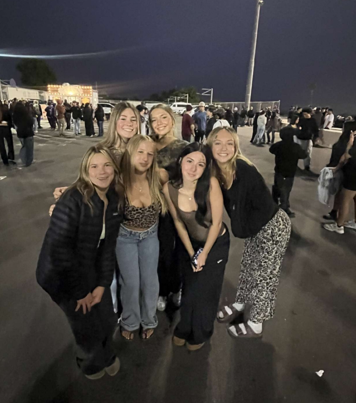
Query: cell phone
point(194, 260)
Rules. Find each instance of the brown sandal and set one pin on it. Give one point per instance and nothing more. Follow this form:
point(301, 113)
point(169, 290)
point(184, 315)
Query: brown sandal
point(230, 313)
point(126, 334)
point(147, 333)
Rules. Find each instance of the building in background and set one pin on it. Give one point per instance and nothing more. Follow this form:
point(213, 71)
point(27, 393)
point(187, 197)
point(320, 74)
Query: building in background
point(80, 93)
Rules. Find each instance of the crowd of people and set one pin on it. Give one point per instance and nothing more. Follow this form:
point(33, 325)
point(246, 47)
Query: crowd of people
point(143, 226)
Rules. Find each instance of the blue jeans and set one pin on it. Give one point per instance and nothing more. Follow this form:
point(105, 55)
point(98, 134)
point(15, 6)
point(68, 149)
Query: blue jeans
point(76, 126)
point(101, 128)
point(26, 152)
point(137, 256)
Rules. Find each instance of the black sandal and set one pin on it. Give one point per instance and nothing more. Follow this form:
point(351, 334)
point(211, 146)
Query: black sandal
point(243, 330)
point(228, 317)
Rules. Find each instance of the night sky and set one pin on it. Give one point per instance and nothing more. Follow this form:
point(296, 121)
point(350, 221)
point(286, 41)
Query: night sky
point(167, 44)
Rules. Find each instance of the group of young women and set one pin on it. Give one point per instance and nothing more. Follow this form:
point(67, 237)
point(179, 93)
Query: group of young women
point(160, 200)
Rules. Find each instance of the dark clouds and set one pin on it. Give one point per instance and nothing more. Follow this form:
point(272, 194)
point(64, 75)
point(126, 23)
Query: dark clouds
point(200, 43)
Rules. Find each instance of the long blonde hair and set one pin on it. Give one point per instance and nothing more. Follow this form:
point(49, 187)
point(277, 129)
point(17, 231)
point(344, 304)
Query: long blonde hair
point(127, 171)
point(112, 137)
point(83, 182)
point(231, 165)
point(165, 108)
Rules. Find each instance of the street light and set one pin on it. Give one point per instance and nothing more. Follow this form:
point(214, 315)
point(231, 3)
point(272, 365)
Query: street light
point(207, 92)
point(253, 55)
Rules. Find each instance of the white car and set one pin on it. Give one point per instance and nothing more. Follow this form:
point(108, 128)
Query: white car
point(107, 109)
point(179, 107)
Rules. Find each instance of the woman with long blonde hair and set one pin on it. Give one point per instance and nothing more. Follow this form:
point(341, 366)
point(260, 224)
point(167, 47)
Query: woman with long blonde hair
point(169, 147)
point(137, 247)
point(257, 219)
point(77, 260)
point(123, 125)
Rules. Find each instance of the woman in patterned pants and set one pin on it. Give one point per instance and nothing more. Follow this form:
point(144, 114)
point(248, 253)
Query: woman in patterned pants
point(265, 228)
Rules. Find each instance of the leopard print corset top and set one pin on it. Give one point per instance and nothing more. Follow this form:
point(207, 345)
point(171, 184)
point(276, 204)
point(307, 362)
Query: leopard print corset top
point(141, 217)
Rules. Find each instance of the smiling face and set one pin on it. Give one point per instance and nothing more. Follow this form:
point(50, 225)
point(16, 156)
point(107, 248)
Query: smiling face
point(161, 122)
point(101, 171)
point(143, 157)
point(193, 166)
point(223, 147)
point(127, 125)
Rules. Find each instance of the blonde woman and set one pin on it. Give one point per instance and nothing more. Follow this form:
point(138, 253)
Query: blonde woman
point(77, 260)
point(137, 247)
point(257, 219)
point(162, 123)
point(124, 124)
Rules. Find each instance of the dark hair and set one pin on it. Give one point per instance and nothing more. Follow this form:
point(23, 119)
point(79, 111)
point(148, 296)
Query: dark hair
point(189, 108)
point(294, 118)
point(140, 108)
point(203, 184)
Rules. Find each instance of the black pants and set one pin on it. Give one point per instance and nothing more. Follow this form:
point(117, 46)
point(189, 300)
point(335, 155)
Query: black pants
point(281, 190)
point(254, 132)
point(39, 122)
point(67, 117)
point(273, 131)
point(170, 251)
point(201, 293)
point(52, 122)
point(199, 135)
point(89, 127)
point(93, 333)
point(6, 135)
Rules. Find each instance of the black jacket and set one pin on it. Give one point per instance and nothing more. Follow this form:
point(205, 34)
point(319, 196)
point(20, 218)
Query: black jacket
point(248, 202)
point(76, 112)
point(23, 122)
point(71, 264)
point(87, 114)
point(287, 153)
point(99, 114)
point(308, 129)
point(209, 125)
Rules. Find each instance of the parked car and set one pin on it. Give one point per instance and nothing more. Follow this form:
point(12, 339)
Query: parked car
point(179, 107)
point(107, 109)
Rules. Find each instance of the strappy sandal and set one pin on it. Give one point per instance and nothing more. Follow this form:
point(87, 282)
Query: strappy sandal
point(229, 313)
point(126, 334)
point(147, 333)
point(242, 330)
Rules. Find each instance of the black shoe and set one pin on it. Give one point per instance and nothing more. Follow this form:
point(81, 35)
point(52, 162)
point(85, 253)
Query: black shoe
point(307, 169)
point(290, 213)
point(330, 216)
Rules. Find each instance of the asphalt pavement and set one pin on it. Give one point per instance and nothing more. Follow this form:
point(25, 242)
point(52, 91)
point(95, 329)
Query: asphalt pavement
point(314, 327)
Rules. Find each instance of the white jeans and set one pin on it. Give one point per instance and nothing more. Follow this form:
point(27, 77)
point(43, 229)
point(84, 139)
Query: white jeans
point(35, 125)
point(76, 126)
point(307, 145)
point(259, 134)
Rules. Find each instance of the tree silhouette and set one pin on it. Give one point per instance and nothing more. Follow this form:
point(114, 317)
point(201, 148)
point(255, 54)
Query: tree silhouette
point(36, 73)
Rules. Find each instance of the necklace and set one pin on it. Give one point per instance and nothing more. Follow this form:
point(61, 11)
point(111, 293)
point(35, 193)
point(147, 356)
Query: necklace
point(190, 197)
point(138, 188)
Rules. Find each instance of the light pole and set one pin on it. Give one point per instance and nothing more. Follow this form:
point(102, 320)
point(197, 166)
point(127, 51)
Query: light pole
point(207, 92)
point(253, 55)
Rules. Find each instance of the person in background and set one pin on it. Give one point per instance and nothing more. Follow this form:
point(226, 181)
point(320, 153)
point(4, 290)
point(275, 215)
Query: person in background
point(34, 116)
point(24, 125)
point(77, 117)
point(329, 120)
point(236, 117)
point(243, 115)
point(99, 117)
point(199, 118)
point(261, 128)
point(254, 129)
point(67, 114)
point(61, 110)
point(210, 120)
point(348, 193)
point(143, 117)
point(219, 115)
point(273, 125)
point(8, 155)
point(88, 120)
point(50, 112)
point(318, 116)
point(308, 132)
point(38, 110)
point(77, 260)
point(250, 115)
point(229, 116)
point(188, 125)
point(287, 153)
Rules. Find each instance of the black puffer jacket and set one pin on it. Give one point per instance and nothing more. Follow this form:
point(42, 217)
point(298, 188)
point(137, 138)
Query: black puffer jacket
point(309, 129)
point(71, 264)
